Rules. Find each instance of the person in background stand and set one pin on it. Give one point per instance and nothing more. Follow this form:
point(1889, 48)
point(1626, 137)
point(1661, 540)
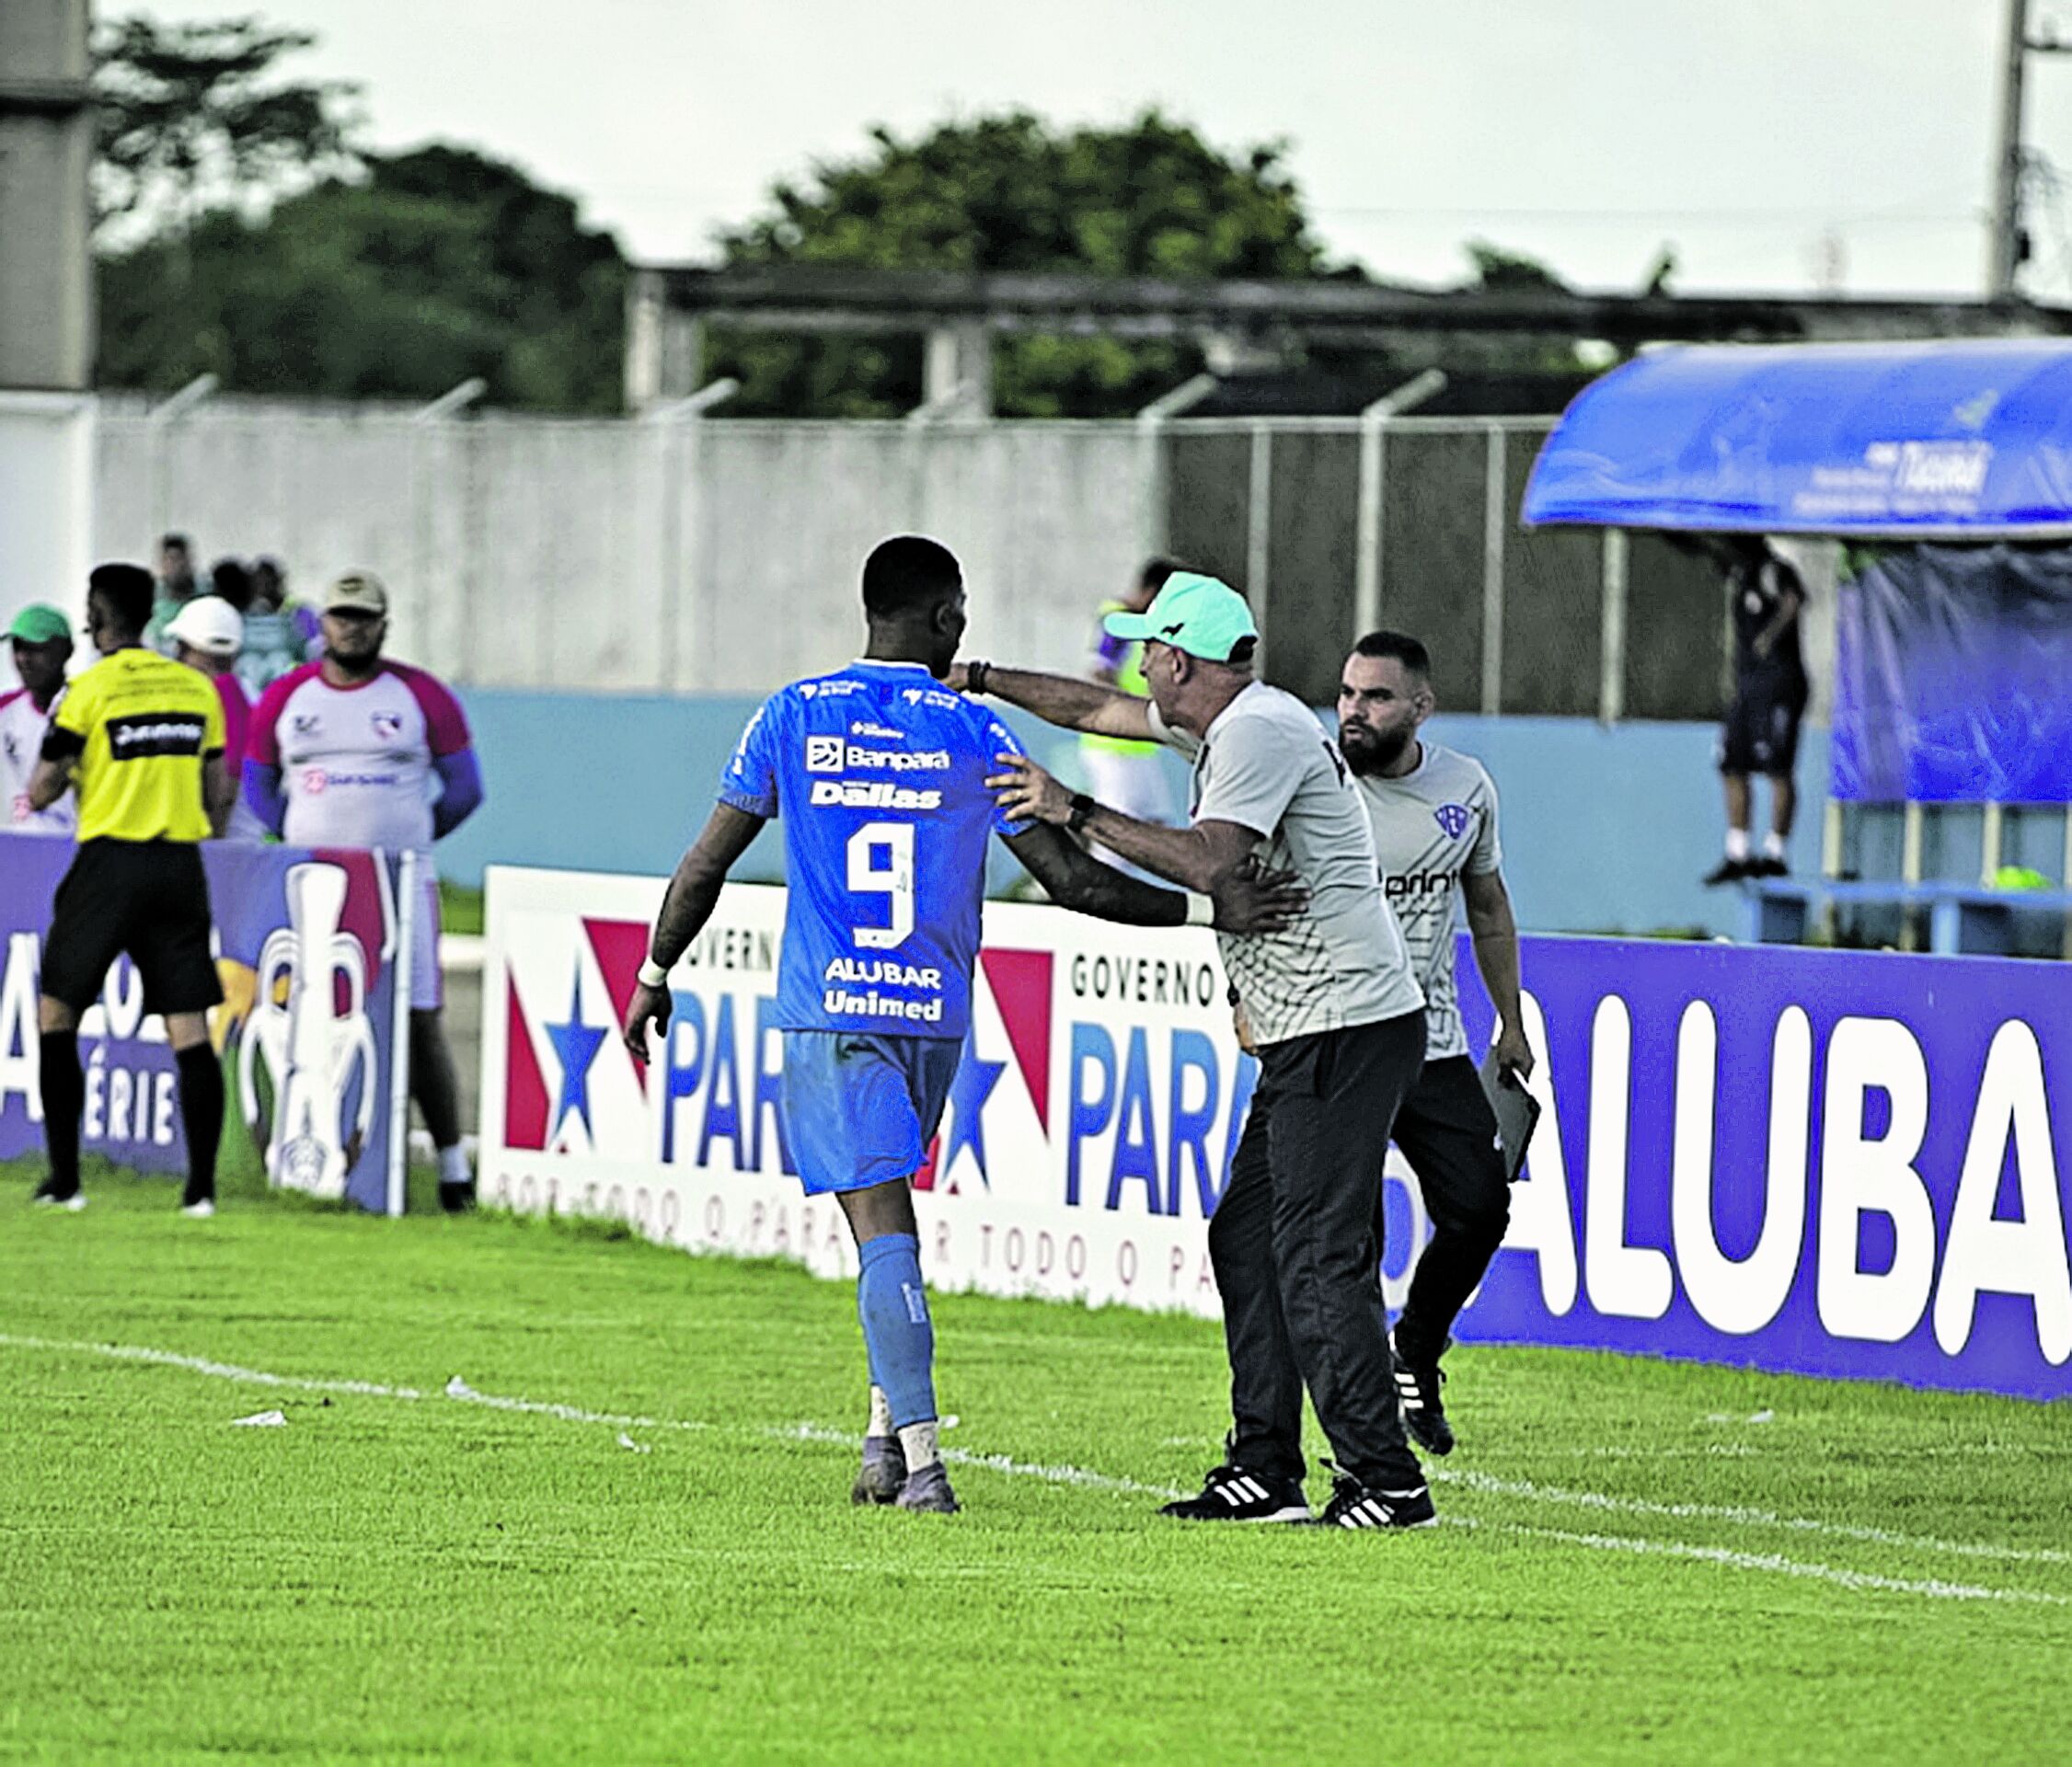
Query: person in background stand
point(279, 635)
point(1761, 732)
point(42, 646)
point(207, 634)
point(343, 753)
point(176, 586)
point(1126, 775)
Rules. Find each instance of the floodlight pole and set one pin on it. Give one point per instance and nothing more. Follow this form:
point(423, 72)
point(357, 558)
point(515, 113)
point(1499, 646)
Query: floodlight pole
point(2007, 247)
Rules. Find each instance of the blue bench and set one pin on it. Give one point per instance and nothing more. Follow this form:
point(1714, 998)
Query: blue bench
point(1962, 917)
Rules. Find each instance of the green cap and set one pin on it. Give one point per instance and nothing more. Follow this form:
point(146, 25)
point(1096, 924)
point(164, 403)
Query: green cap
point(1199, 614)
point(40, 623)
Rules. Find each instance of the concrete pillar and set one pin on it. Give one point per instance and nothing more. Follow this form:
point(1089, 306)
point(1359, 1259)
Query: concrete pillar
point(664, 348)
point(46, 304)
point(958, 369)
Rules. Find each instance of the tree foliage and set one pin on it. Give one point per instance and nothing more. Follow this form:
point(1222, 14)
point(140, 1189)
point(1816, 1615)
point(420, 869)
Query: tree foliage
point(1008, 193)
point(441, 264)
point(1498, 271)
point(195, 116)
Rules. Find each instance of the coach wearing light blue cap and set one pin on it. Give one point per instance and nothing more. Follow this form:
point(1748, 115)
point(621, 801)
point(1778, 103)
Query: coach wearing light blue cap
point(1337, 1018)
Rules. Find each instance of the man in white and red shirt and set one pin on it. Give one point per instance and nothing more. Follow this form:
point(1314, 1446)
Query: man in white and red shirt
point(42, 640)
point(206, 636)
point(344, 753)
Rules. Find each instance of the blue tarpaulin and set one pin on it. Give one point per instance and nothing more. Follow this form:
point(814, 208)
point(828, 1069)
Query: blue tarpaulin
point(1954, 676)
point(1947, 440)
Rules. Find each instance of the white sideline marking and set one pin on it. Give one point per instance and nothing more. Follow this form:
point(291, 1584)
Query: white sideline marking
point(1078, 1475)
point(1778, 1564)
point(1744, 1517)
point(458, 1391)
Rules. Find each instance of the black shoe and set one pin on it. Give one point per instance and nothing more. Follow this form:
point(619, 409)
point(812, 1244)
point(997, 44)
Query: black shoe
point(1354, 1504)
point(927, 1492)
point(1729, 871)
point(1423, 1414)
point(456, 1198)
point(882, 1475)
point(1231, 1494)
point(1766, 867)
point(50, 1194)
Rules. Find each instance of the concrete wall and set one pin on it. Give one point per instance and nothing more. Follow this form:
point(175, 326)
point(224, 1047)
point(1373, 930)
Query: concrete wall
point(700, 556)
point(1605, 829)
point(637, 557)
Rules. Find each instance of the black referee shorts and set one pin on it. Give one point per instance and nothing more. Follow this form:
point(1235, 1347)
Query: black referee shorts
point(148, 897)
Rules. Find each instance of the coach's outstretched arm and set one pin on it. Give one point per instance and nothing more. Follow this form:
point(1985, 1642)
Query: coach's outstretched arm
point(1239, 900)
point(1197, 857)
point(693, 892)
point(1070, 703)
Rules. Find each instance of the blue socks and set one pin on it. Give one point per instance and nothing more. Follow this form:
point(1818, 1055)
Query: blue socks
point(897, 1332)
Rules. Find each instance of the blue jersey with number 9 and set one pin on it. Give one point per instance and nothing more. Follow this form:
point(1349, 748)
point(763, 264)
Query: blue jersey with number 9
point(879, 774)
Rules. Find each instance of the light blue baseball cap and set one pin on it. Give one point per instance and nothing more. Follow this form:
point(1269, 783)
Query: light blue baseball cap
point(1202, 616)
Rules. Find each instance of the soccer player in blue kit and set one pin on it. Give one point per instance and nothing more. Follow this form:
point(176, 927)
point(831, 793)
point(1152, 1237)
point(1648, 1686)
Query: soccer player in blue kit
point(878, 772)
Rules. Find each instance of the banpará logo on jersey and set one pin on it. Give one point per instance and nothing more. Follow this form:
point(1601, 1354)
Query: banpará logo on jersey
point(899, 760)
point(1453, 819)
point(872, 794)
point(832, 754)
point(389, 725)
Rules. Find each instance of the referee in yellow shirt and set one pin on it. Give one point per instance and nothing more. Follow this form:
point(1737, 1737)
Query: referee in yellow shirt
point(142, 739)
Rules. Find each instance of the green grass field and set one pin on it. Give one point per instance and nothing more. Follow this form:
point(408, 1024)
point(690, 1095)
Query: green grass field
point(1644, 1561)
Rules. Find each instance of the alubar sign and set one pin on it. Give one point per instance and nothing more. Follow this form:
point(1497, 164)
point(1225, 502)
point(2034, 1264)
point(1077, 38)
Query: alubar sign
point(1827, 1163)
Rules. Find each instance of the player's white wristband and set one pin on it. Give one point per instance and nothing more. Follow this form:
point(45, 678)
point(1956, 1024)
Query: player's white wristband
point(1200, 910)
point(652, 975)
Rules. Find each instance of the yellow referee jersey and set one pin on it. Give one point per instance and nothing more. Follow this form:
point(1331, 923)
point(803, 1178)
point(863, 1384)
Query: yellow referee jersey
point(138, 726)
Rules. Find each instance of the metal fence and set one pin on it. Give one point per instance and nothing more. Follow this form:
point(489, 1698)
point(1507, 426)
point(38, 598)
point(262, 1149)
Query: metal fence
point(699, 555)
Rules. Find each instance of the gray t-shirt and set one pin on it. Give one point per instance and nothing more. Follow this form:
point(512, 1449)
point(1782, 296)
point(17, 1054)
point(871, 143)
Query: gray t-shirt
point(1267, 765)
point(1432, 826)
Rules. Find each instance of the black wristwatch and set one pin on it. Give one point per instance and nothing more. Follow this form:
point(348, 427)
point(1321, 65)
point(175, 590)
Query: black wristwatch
point(1082, 807)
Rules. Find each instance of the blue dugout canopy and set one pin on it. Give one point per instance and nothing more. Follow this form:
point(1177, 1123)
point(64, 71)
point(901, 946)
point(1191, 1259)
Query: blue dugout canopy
point(1954, 441)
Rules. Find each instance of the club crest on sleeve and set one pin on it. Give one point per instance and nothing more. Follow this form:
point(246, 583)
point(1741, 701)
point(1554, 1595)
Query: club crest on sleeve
point(1452, 819)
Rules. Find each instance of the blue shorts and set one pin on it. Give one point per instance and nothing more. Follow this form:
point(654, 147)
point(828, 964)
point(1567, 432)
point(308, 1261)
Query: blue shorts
point(861, 1110)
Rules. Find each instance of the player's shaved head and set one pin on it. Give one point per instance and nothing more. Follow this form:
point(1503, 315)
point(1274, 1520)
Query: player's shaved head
point(907, 575)
point(124, 593)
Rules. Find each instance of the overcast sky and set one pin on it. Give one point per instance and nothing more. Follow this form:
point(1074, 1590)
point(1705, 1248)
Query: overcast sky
point(1784, 145)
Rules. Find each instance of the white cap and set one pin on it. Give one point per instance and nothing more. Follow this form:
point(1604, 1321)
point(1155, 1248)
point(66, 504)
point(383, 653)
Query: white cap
point(210, 625)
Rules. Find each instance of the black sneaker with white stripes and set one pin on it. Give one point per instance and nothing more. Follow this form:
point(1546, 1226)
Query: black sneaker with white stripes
point(1354, 1504)
point(1423, 1414)
point(1231, 1494)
